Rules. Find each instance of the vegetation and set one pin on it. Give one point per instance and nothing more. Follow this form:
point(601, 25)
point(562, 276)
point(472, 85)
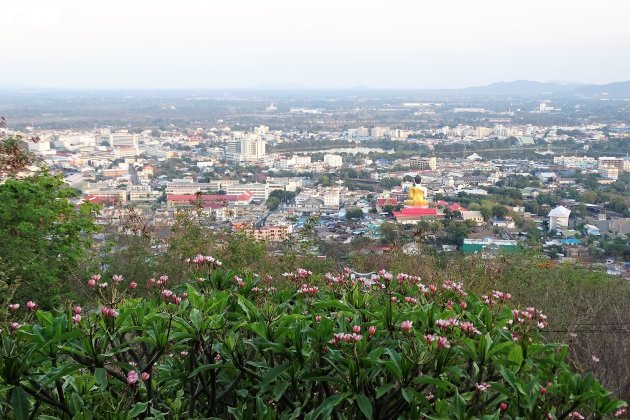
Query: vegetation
point(230, 344)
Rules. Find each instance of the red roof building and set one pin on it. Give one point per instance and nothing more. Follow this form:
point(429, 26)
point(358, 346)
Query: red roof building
point(414, 214)
point(208, 200)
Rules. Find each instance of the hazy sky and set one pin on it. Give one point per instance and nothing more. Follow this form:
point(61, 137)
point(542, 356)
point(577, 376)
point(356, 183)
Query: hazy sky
point(323, 43)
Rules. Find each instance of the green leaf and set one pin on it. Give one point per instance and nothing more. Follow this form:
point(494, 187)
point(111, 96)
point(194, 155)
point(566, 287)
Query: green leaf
point(279, 388)
point(383, 389)
point(364, 405)
point(516, 357)
point(137, 409)
point(273, 374)
point(444, 385)
point(195, 318)
point(100, 377)
point(328, 405)
point(20, 403)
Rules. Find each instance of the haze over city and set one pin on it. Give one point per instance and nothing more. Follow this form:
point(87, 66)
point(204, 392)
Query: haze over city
point(324, 44)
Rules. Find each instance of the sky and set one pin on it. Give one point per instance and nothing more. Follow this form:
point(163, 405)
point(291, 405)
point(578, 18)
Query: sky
point(307, 43)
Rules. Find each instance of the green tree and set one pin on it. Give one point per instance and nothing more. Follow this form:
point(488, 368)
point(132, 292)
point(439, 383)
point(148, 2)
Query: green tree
point(44, 237)
point(273, 203)
point(354, 213)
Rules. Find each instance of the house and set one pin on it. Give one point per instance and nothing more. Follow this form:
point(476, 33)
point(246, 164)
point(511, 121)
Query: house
point(477, 245)
point(591, 230)
point(507, 223)
point(473, 215)
point(559, 218)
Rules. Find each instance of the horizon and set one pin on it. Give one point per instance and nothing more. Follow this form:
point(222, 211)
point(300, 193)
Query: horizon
point(278, 43)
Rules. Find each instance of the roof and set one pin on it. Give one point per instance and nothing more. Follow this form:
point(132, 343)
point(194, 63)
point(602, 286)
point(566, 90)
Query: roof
point(560, 211)
point(415, 211)
point(386, 201)
point(210, 197)
point(471, 214)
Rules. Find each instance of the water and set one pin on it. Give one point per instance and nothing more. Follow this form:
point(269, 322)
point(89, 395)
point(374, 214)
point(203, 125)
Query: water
point(351, 150)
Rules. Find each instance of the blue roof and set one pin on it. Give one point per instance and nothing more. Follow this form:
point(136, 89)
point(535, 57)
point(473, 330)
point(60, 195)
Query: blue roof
point(570, 241)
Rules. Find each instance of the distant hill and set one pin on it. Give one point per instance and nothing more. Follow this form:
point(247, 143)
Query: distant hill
point(532, 88)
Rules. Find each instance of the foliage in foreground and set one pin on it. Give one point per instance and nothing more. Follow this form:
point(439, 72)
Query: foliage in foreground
point(224, 345)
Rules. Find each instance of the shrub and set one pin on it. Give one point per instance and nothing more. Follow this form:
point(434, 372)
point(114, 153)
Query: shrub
point(227, 344)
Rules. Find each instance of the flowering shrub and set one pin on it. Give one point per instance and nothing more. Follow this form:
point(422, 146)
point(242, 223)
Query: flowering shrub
point(229, 344)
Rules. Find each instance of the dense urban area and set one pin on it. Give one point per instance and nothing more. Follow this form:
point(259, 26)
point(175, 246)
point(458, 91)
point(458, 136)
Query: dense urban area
point(330, 170)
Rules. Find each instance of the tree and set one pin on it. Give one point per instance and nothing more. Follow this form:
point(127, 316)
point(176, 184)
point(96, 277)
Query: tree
point(499, 211)
point(390, 233)
point(272, 203)
point(354, 213)
point(44, 237)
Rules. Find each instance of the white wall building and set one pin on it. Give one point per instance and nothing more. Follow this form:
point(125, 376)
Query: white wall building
point(333, 161)
point(559, 218)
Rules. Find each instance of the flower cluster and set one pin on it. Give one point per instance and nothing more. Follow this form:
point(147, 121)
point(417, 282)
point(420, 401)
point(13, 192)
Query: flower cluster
point(308, 290)
point(496, 297)
point(204, 261)
point(261, 290)
point(442, 342)
point(458, 288)
point(108, 312)
point(530, 315)
point(299, 275)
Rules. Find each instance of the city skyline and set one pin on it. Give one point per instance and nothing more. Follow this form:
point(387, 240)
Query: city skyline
point(279, 44)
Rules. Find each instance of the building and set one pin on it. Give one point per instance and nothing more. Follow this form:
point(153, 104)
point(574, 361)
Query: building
point(247, 148)
point(415, 214)
point(123, 139)
point(559, 218)
point(333, 161)
point(331, 198)
point(259, 191)
point(608, 162)
point(187, 186)
point(206, 201)
point(423, 163)
point(270, 233)
point(302, 161)
point(576, 162)
point(473, 215)
point(609, 172)
point(115, 172)
point(478, 245)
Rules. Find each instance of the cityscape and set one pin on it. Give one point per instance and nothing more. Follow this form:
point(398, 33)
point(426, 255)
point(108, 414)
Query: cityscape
point(314, 210)
point(545, 172)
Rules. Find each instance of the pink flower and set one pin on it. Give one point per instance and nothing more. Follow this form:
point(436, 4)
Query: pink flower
point(482, 387)
point(200, 279)
point(31, 306)
point(15, 325)
point(443, 343)
point(503, 406)
point(132, 377)
point(621, 412)
point(166, 294)
point(104, 310)
point(183, 353)
point(347, 338)
point(463, 305)
point(357, 337)
point(594, 358)
point(217, 358)
point(103, 285)
point(112, 313)
point(372, 330)
point(576, 415)
point(145, 376)
point(76, 318)
point(356, 329)
point(430, 338)
point(325, 349)
point(318, 318)
point(133, 285)
point(76, 310)
point(406, 326)
point(117, 278)
point(14, 307)
point(184, 295)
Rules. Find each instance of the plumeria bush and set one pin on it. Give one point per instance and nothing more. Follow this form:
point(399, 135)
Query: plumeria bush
point(236, 345)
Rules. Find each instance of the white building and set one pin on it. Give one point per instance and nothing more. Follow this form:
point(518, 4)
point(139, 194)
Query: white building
point(331, 198)
point(260, 191)
point(333, 161)
point(559, 218)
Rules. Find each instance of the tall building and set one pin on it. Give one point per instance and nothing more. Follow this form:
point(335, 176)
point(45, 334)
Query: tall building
point(123, 139)
point(611, 162)
point(249, 148)
point(333, 161)
point(424, 163)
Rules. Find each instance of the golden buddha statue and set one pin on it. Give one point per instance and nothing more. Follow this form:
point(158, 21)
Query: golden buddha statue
point(416, 195)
